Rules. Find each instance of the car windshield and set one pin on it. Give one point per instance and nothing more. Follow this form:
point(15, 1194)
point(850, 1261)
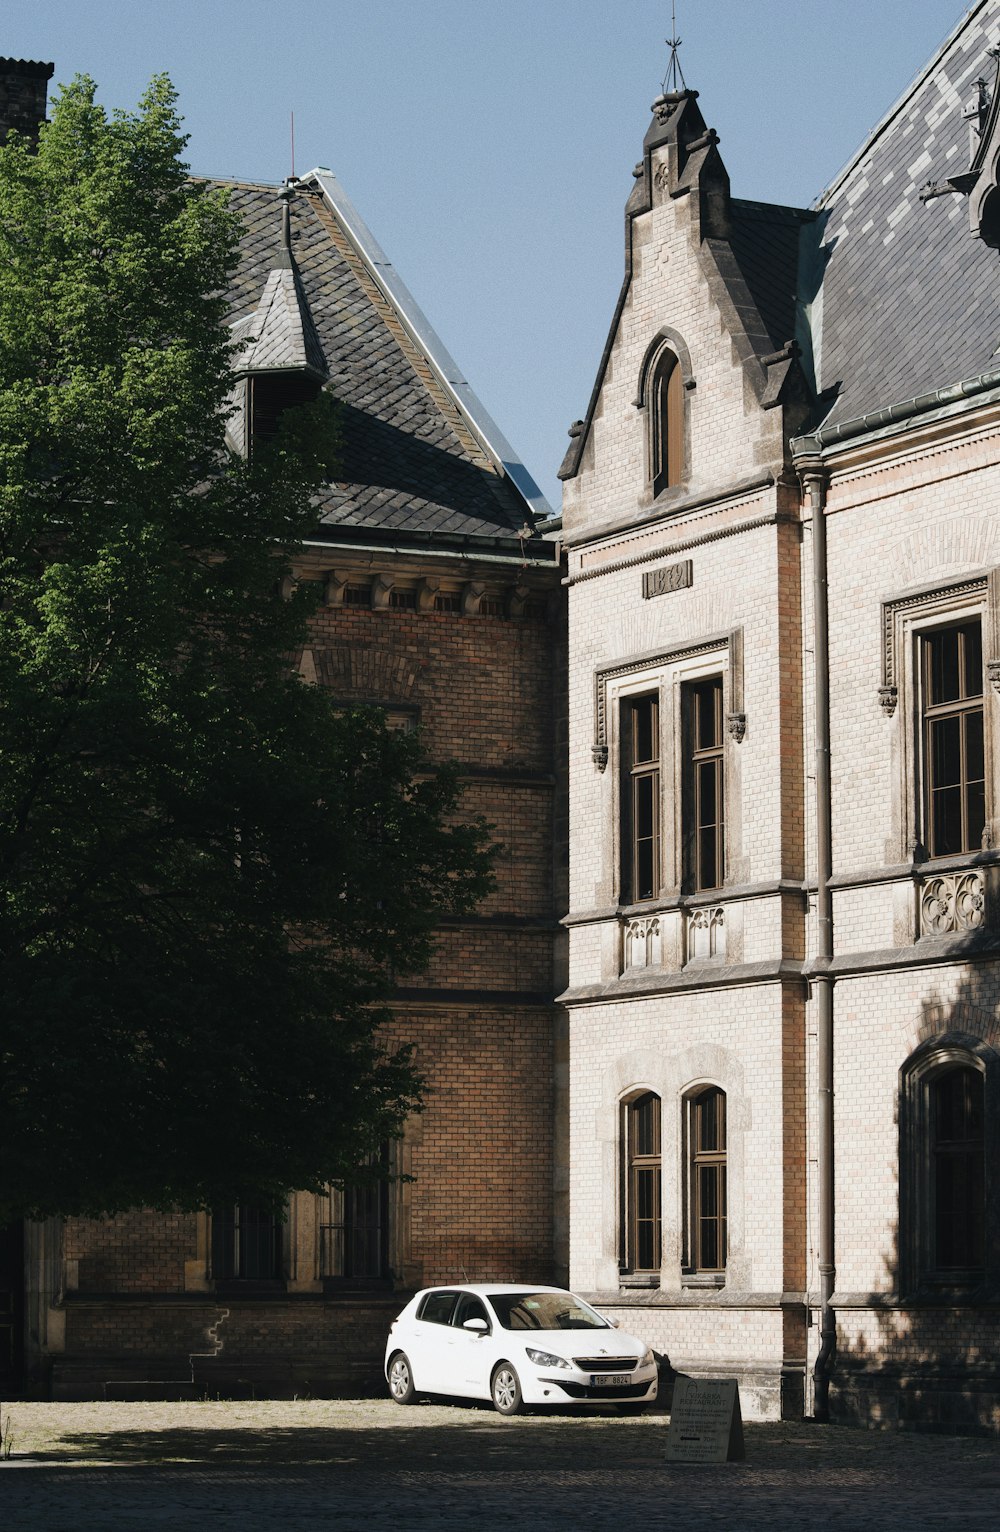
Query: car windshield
point(545, 1311)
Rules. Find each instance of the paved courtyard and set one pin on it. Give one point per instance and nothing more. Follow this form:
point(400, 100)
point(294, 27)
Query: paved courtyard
point(358, 1466)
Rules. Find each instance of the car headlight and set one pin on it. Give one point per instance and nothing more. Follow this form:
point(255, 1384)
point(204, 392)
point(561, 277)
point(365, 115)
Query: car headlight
point(544, 1358)
point(648, 1359)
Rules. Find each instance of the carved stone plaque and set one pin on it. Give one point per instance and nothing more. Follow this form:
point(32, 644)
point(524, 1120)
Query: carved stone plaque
point(705, 1422)
point(660, 582)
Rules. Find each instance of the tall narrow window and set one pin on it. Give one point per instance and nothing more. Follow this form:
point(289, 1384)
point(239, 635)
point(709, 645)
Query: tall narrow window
point(641, 799)
point(667, 424)
point(707, 1197)
point(957, 1170)
point(704, 797)
point(354, 1238)
point(954, 761)
point(246, 1244)
point(641, 1184)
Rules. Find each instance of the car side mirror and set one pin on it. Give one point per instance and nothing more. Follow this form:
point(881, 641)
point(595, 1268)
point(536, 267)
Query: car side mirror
point(478, 1326)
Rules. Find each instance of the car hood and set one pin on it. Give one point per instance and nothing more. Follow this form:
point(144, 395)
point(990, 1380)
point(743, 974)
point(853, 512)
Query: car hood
point(580, 1343)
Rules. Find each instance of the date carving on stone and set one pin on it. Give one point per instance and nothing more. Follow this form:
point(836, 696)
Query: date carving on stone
point(952, 902)
point(643, 942)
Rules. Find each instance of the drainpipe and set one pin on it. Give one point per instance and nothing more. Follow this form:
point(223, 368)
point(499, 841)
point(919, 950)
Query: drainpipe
point(814, 483)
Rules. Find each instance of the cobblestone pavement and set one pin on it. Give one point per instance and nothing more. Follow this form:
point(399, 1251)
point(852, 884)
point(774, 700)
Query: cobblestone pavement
point(359, 1466)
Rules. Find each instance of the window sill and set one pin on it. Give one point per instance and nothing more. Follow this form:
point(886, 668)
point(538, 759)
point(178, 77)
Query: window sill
point(638, 1279)
point(703, 1279)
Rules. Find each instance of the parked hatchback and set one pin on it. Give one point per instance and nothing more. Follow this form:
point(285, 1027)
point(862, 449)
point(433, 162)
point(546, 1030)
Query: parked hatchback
point(515, 1345)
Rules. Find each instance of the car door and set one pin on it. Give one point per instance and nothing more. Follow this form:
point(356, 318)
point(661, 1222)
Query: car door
point(471, 1350)
point(429, 1342)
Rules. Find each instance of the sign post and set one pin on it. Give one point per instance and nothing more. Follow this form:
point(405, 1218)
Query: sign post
point(705, 1422)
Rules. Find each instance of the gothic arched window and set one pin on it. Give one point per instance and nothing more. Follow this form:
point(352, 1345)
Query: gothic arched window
point(666, 417)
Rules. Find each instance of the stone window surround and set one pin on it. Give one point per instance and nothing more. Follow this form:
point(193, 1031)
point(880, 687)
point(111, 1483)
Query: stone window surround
point(666, 340)
point(666, 673)
point(675, 1079)
point(904, 619)
point(948, 1050)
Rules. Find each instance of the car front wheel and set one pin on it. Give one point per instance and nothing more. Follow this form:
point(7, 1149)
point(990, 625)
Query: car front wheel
point(506, 1390)
point(401, 1379)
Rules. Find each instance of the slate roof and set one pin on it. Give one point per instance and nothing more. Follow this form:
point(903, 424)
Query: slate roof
point(280, 334)
point(910, 301)
point(413, 463)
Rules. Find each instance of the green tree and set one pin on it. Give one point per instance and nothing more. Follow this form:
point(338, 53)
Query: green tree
point(207, 873)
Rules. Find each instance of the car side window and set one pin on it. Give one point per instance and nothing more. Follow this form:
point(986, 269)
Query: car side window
point(469, 1307)
point(437, 1308)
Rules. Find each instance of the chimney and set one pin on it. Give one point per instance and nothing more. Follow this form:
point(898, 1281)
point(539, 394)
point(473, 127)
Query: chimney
point(23, 89)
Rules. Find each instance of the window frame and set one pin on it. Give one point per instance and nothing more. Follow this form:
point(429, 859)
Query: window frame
point(698, 759)
point(696, 1160)
point(227, 1246)
point(934, 713)
point(665, 380)
point(635, 774)
point(631, 1165)
point(668, 678)
point(906, 620)
point(921, 1271)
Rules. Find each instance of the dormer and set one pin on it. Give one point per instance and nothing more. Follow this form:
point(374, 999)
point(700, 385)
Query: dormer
point(280, 362)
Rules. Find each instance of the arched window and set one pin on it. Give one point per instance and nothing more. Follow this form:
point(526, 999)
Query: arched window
point(957, 1180)
point(945, 1158)
point(707, 1205)
point(640, 1160)
point(666, 417)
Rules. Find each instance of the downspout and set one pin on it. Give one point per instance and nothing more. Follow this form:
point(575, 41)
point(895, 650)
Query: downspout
point(814, 482)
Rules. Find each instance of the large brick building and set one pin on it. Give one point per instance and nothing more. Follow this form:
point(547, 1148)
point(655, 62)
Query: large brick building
point(780, 670)
point(441, 605)
point(783, 545)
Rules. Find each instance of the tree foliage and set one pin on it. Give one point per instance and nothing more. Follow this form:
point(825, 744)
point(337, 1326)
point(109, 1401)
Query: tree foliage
point(207, 873)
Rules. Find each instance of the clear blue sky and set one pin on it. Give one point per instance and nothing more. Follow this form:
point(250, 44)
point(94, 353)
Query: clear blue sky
point(489, 144)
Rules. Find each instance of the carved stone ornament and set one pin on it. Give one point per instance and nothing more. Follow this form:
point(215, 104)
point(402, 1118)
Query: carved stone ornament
point(643, 944)
point(706, 933)
point(737, 723)
point(993, 671)
point(600, 755)
point(952, 902)
point(888, 696)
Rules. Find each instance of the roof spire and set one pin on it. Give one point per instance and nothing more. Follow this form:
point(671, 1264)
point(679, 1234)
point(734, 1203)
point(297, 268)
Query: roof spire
point(673, 81)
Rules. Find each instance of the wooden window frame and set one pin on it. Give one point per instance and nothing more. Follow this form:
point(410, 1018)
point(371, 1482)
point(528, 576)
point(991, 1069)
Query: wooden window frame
point(638, 776)
point(700, 1161)
point(921, 1267)
point(967, 707)
point(633, 1165)
point(697, 875)
point(666, 417)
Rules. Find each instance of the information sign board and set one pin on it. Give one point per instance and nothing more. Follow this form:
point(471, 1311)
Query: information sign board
point(705, 1422)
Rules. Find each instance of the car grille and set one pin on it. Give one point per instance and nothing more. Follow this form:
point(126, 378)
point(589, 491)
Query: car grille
point(606, 1363)
point(581, 1391)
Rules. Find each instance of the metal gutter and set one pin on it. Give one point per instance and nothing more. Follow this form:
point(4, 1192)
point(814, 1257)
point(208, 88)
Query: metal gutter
point(398, 294)
point(891, 414)
point(814, 484)
point(404, 551)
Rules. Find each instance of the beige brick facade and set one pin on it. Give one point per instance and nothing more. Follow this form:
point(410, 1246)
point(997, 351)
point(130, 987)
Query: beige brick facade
point(912, 547)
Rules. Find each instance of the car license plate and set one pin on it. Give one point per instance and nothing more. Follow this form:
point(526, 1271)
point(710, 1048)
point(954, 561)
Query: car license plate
point(609, 1380)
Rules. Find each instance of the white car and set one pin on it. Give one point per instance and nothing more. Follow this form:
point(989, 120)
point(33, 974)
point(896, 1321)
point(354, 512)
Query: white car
point(515, 1345)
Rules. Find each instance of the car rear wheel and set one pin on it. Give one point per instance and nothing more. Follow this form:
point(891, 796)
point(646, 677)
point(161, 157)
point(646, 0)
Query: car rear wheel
point(401, 1379)
point(506, 1389)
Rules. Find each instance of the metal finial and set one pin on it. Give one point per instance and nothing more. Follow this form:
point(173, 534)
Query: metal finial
point(673, 81)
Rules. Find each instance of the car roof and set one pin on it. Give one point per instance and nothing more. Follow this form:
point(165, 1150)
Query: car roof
point(484, 1289)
